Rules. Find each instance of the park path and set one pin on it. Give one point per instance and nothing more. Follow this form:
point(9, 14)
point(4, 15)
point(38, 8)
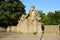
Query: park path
point(29, 37)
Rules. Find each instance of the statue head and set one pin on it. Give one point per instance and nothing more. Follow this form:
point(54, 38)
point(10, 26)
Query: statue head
point(32, 8)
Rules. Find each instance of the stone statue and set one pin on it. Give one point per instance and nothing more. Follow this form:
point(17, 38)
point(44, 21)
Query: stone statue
point(34, 14)
point(29, 23)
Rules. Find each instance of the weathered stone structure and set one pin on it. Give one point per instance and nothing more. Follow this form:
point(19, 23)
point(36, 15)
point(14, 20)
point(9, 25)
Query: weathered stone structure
point(49, 29)
point(30, 23)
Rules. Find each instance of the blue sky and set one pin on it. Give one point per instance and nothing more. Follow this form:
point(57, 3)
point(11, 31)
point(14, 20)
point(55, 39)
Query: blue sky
point(44, 5)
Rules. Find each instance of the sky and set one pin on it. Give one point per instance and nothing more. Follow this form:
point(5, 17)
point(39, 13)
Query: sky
point(42, 5)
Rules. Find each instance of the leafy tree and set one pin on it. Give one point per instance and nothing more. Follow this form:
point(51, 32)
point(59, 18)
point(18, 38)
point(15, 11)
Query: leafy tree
point(45, 19)
point(52, 20)
point(57, 16)
point(10, 12)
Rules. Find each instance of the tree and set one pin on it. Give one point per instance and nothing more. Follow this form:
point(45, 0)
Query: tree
point(57, 16)
point(10, 12)
point(44, 18)
point(52, 20)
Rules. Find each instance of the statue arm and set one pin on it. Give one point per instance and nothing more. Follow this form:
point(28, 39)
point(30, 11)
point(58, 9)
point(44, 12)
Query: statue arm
point(29, 13)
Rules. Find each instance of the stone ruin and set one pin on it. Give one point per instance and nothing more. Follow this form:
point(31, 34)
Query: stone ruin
point(30, 23)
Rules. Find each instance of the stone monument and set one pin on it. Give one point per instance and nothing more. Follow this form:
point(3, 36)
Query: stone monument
point(30, 23)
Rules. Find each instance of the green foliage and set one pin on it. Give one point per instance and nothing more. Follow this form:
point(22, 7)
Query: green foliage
point(34, 33)
point(21, 33)
point(52, 18)
point(10, 12)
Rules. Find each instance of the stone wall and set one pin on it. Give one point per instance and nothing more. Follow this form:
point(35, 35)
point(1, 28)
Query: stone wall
point(49, 29)
point(12, 29)
point(2, 29)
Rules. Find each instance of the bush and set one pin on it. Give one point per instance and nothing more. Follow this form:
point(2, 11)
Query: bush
point(34, 33)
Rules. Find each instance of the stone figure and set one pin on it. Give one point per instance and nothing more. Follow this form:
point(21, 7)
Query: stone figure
point(34, 14)
point(30, 23)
